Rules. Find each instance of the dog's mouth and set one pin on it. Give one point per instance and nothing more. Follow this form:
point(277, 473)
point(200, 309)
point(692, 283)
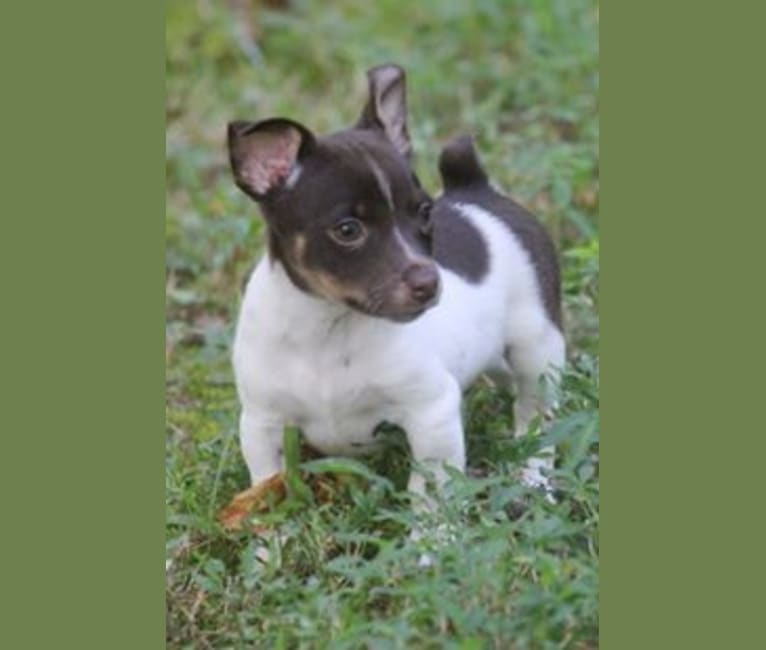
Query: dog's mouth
point(398, 314)
point(408, 317)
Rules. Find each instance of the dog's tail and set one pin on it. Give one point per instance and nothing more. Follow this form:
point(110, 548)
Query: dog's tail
point(459, 164)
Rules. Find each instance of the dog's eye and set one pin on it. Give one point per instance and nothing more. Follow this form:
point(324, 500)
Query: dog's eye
point(424, 216)
point(348, 232)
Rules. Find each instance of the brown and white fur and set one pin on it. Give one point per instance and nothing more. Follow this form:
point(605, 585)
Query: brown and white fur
point(376, 304)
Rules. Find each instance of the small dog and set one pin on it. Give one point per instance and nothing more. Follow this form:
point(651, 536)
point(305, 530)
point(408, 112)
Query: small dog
point(376, 304)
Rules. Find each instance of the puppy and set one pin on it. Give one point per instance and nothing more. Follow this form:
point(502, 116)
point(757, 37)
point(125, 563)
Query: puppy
point(375, 304)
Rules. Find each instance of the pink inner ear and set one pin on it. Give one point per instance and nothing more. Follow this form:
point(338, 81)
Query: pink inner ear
point(270, 157)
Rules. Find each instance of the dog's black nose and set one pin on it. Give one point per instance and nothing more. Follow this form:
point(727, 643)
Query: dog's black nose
point(423, 281)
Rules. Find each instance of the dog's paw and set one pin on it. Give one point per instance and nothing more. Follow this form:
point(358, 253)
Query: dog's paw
point(426, 561)
point(431, 540)
point(533, 476)
point(263, 554)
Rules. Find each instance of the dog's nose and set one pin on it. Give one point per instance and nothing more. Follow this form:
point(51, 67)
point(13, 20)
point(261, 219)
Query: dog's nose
point(423, 281)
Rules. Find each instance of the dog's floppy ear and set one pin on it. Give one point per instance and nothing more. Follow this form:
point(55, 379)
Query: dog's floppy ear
point(386, 106)
point(265, 155)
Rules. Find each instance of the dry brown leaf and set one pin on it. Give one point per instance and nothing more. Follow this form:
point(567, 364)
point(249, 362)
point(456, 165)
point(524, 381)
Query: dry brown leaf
point(254, 499)
point(258, 498)
point(587, 198)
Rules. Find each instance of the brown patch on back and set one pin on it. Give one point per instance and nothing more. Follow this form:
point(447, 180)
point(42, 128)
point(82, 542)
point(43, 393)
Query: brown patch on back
point(456, 244)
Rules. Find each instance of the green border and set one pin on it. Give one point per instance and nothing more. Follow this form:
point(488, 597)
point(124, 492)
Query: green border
point(82, 268)
point(682, 169)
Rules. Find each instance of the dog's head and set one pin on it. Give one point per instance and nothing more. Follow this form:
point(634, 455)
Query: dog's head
point(346, 214)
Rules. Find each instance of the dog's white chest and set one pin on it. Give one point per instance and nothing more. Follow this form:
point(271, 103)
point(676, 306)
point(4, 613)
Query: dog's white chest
point(329, 378)
point(333, 401)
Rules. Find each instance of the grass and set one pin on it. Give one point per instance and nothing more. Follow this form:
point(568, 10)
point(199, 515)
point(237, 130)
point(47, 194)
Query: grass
point(517, 572)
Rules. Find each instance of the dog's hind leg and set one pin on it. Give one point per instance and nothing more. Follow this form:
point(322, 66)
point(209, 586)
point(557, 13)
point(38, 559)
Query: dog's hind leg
point(536, 367)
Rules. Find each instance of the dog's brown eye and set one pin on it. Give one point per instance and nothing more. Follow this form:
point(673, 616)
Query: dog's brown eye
point(348, 232)
point(424, 215)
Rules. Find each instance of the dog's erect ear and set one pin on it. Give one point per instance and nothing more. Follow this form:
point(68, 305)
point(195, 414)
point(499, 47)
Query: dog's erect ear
point(265, 155)
point(386, 106)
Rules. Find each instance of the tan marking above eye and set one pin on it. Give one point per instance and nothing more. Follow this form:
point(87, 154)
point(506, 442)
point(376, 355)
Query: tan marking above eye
point(300, 247)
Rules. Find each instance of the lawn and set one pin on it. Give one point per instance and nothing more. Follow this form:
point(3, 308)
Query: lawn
point(517, 571)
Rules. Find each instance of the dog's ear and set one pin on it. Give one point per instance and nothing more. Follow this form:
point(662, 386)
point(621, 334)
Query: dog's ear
point(386, 106)
point(265, 156)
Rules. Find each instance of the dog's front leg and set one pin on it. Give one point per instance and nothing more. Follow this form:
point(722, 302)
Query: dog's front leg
point(260, 435)
point(435, 434)
point(261, 439)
